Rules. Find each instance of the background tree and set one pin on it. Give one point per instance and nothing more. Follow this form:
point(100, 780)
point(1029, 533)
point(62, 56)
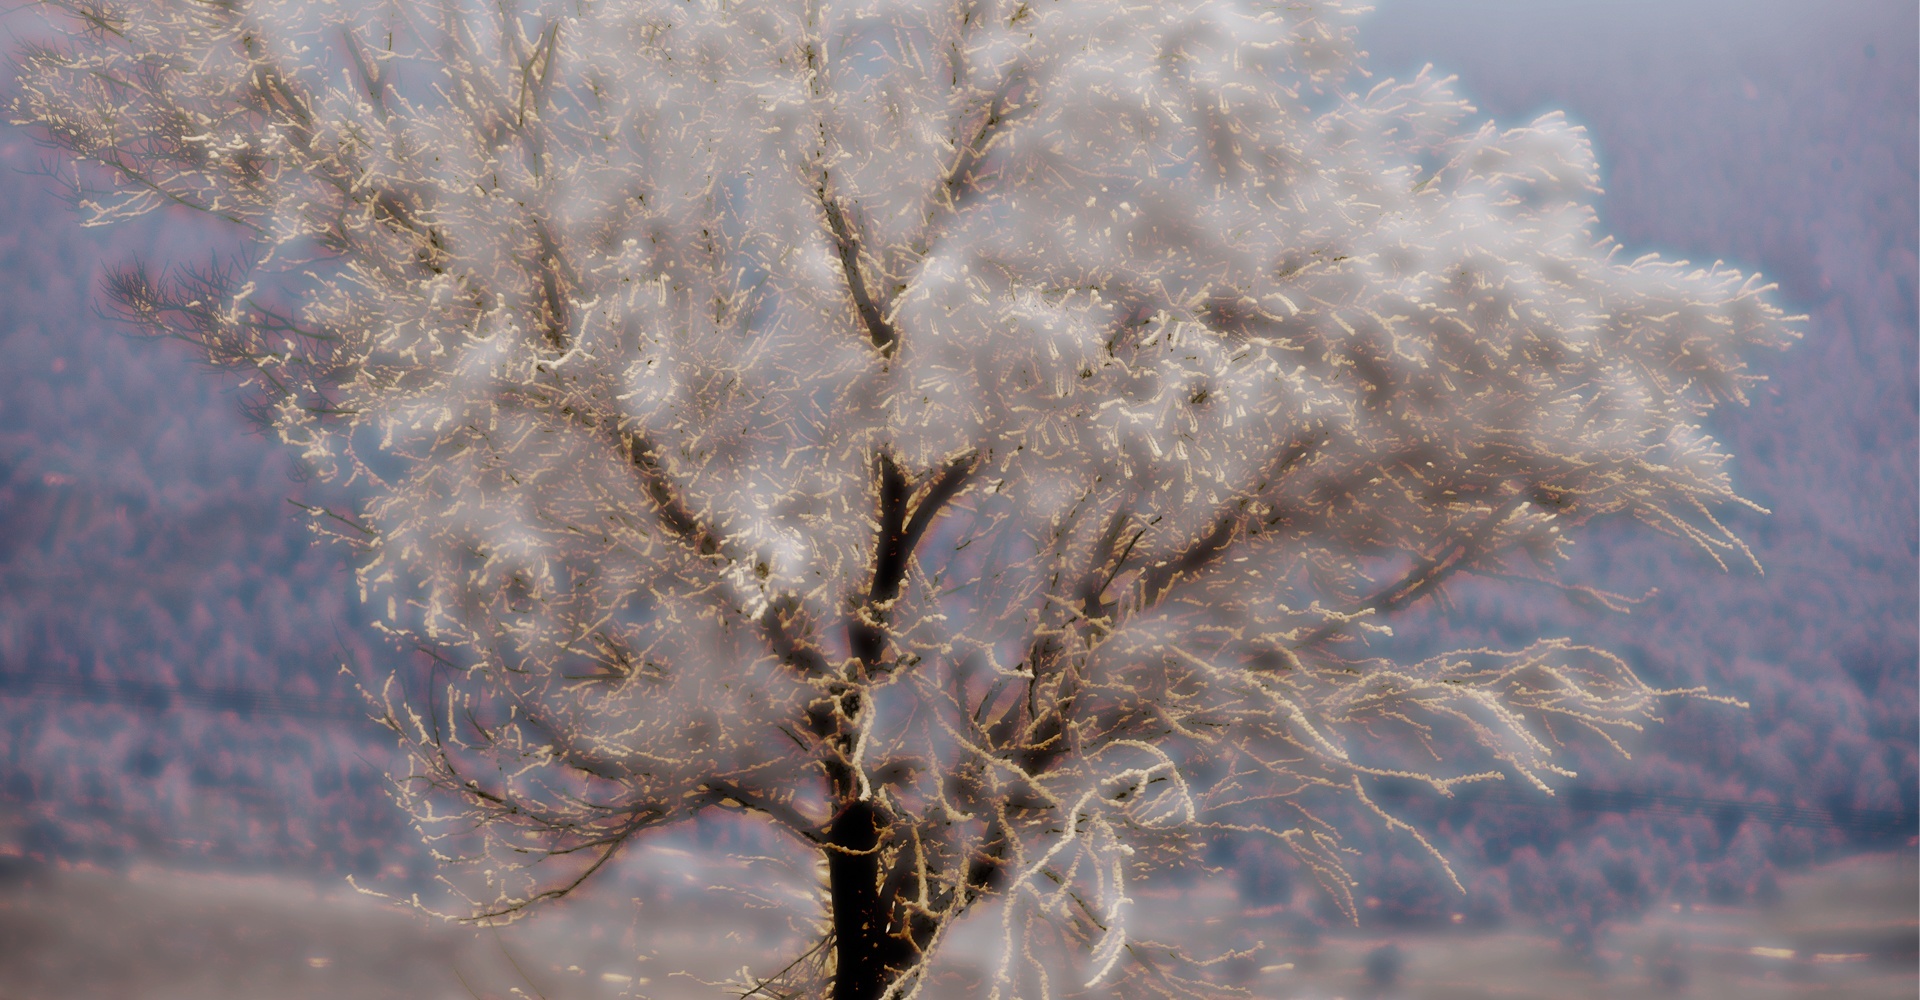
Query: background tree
point(977, 438)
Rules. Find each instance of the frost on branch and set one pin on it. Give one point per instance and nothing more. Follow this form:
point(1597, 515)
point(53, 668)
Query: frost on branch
point(976, 437)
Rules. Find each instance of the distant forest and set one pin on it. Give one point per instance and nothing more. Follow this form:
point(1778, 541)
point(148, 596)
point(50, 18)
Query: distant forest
point(171, 639)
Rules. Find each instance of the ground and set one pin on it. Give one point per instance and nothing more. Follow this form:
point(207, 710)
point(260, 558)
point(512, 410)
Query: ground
point(1846, 929)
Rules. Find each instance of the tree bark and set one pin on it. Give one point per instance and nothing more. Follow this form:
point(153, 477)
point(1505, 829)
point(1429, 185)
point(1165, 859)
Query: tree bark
point(863, 950)
point(869, 954)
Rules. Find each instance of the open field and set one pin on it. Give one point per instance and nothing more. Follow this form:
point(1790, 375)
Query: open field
point(1843, 930)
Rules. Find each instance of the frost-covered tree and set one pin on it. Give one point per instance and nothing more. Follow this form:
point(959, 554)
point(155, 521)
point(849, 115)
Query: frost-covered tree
point(977, 437)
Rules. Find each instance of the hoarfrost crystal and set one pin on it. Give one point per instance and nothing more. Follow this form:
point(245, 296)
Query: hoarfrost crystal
point(977, 437)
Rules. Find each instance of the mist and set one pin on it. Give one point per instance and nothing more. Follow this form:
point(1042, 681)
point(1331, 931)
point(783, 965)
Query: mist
point(182, 741)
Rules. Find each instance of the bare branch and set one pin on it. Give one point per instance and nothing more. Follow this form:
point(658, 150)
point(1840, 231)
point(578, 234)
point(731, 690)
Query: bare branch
point(869, 303)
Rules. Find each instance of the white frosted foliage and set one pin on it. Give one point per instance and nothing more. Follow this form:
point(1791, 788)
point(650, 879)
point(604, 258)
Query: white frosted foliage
point(1000, 422)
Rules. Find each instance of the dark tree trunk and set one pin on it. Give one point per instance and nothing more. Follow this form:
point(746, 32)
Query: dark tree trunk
point(868, 953)
point(865, 956)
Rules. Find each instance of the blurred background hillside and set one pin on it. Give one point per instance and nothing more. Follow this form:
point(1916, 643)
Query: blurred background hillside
point(171, 641)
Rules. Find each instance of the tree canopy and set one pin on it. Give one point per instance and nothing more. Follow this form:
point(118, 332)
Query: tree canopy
point(978, 438)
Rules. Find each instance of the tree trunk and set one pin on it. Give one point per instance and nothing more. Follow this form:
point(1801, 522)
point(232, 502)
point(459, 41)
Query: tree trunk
point(863, 951)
